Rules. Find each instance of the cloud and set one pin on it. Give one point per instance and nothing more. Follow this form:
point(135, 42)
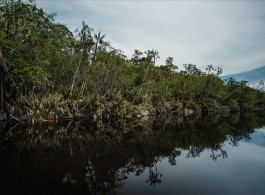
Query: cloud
point(222, 33)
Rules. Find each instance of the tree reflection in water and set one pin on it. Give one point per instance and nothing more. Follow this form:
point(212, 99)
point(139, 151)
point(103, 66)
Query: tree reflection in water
point(154, 176)
point(85, 158)
point(215, 155)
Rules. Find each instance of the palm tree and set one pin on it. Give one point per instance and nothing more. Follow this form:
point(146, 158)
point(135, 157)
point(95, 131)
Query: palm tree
point(99, 40)
point(152, 56)
point(155, 55)
point(86, 41)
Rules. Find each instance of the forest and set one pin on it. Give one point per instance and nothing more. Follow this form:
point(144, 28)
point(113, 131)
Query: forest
point(49, 73)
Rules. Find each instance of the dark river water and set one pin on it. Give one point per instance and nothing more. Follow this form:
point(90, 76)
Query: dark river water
point(207, 155)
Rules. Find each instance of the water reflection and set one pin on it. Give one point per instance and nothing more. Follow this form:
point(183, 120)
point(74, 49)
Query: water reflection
point(83, 158)
point(154, 176)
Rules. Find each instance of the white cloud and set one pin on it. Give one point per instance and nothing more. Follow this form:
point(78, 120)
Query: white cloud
point(222, 33)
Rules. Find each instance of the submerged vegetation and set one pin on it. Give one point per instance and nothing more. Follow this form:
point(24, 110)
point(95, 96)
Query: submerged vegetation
point(48, 72)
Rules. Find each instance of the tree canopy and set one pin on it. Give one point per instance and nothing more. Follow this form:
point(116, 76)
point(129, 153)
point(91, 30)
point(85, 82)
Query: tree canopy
point(43, 63)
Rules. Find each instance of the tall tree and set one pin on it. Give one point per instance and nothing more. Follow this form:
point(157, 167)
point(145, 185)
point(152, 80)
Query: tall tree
point(152, 56)
point(86, 43)
point(99, 40)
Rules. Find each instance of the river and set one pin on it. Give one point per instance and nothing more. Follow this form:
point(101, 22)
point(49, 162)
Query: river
point(200, 155)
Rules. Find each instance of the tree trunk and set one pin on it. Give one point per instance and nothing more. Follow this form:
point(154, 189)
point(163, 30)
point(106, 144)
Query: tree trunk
point(95, 53)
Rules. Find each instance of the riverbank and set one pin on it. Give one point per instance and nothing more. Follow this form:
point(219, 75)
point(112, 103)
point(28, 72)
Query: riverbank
point(55, 107)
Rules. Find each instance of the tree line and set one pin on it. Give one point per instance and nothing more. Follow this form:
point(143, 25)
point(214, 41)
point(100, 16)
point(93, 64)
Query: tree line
point(48, 72)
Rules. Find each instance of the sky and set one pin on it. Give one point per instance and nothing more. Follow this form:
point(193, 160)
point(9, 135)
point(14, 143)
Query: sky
point(227, 34)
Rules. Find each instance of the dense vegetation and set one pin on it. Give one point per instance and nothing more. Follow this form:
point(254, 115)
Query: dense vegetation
point(48, 72)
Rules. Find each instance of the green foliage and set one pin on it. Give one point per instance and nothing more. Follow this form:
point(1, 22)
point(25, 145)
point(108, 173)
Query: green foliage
point(82, 72)
point(40, 108)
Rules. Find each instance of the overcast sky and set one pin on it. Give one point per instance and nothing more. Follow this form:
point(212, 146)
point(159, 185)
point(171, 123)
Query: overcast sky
point(229, 34)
